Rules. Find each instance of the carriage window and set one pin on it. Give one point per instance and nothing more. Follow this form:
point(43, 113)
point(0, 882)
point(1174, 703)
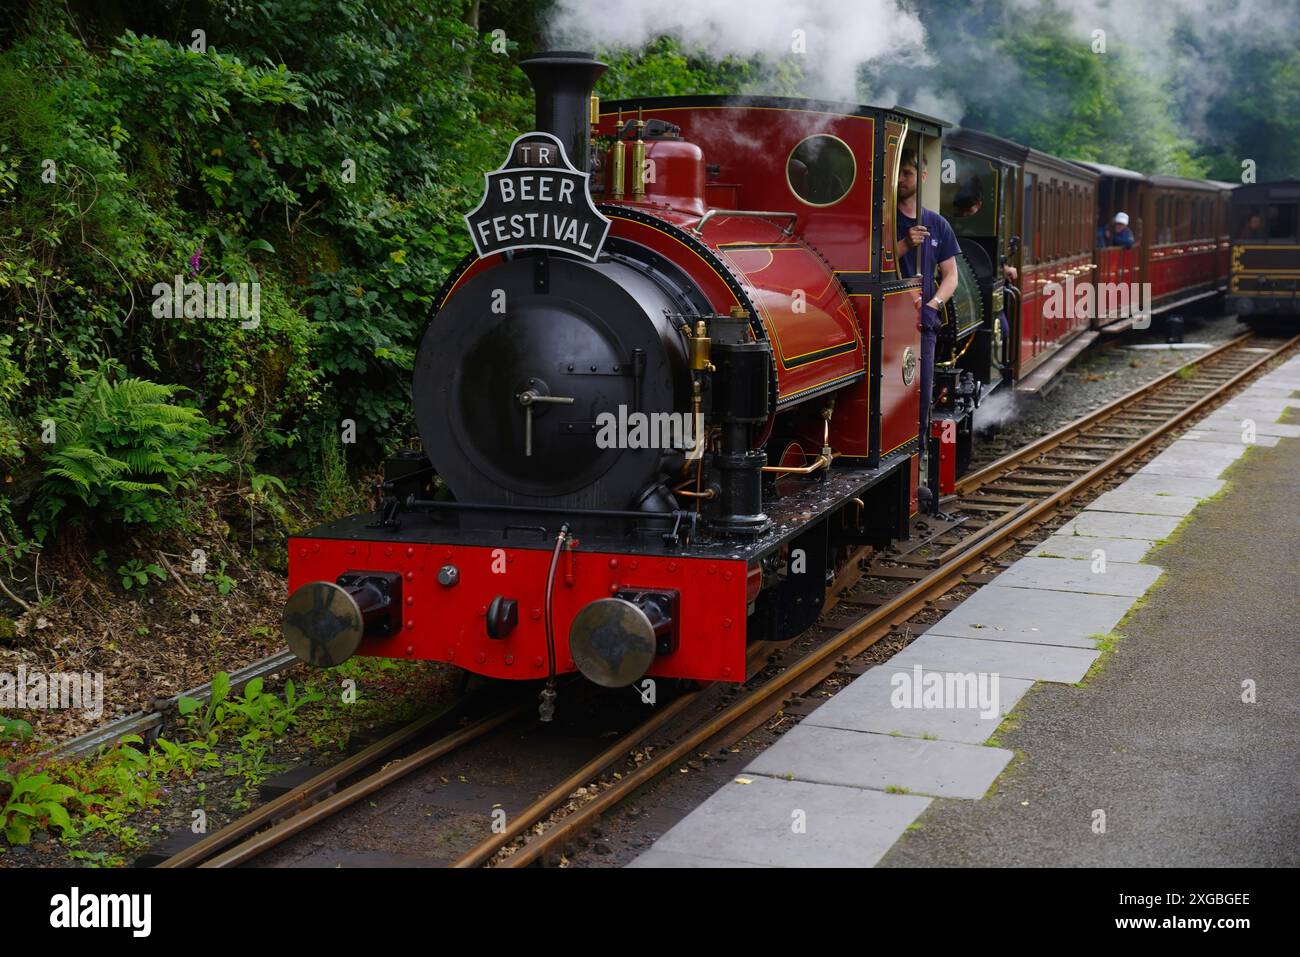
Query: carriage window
point(1077, 234)
point(1051, 217)
point(1029, 239)
point(1162, 228)
point(821, 170)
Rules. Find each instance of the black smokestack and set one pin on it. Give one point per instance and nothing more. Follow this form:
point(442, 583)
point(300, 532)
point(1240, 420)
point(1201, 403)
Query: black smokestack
point(562, 83)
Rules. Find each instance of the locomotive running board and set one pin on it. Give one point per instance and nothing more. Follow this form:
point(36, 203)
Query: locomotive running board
point(1043, 379)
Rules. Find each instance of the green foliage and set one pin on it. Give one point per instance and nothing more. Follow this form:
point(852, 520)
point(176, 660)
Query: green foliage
point(185, 758)
point(35, 800)
point(220, 580)
point(203, 719)
point(12, 382)
point(135, 574)
point(252, 716)
point(14, 729)
point(123, 447)
point(326, 152)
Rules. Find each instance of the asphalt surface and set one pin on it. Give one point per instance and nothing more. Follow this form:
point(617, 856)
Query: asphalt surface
point(1160, 739)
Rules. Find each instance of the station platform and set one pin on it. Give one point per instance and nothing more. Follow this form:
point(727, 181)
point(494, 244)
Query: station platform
point(1130, 693)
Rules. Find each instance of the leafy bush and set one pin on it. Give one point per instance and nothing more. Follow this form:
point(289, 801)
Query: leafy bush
point(253, 716)
point(34, 800)
point(135, 574)
point(122, 447)
point(12, 382)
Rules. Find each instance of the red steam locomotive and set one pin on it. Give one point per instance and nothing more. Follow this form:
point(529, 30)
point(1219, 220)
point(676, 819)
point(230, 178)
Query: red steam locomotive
point(676, 387)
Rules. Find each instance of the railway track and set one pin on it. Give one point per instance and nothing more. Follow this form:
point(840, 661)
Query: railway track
point(317, 799)
point(997, 507)
point(148, 724)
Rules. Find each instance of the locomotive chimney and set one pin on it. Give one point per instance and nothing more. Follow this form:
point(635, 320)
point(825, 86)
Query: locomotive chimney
point(562, 84)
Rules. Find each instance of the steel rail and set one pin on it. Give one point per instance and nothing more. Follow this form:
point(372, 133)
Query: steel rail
point(1010, 461)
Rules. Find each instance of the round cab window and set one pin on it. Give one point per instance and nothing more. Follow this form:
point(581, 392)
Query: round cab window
point(821, 170)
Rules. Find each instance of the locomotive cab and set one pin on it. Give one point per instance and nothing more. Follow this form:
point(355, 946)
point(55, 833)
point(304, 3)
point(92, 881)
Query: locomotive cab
point(1265, 227)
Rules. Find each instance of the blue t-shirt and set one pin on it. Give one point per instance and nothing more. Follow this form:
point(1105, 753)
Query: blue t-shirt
point(943, 245)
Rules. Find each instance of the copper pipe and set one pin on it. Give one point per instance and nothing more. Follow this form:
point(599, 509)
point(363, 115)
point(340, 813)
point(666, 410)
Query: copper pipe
point(822, 461)
point(708, 494)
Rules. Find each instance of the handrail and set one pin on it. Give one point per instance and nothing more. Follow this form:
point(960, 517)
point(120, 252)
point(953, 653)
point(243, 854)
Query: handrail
point(756, 213)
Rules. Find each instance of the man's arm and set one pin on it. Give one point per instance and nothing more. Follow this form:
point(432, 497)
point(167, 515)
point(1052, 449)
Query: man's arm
point(947, 282)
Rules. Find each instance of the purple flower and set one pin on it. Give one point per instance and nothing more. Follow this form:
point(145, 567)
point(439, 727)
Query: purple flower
point(196, 260)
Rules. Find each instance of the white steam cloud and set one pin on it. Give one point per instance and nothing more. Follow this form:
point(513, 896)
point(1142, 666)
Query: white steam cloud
point(831, 39)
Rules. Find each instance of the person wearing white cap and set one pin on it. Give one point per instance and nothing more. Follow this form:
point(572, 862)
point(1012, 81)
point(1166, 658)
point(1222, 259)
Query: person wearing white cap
point(1116, 233)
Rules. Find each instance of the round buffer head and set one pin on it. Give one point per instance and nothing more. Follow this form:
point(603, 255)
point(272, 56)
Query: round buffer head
point(612, 642)
point(323, 624)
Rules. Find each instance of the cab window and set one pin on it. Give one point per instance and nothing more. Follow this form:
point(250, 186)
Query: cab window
point(970, 201)
point(1265, 222)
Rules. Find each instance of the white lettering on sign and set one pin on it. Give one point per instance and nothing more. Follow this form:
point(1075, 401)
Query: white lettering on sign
point(537, 200)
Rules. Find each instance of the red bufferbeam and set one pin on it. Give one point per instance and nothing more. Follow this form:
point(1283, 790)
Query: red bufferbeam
point(446, 592)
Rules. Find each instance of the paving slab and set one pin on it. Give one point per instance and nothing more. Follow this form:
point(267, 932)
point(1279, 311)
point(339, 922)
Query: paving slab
point(1083, 548)
point(657, 857)
point(1063, 574)
point(1034, 616)
point(1259, 401)
point(1193, 453)
point(1144, 503)
point(1273, 390)
point(1228, 438)
point(861, 759)
point(755, 823)
point(1011, 659)
point(1151, 528)
point(1227, 423)
point(1240, 415)
point(1173, 485)
point(891, 699)
point(1188, 467)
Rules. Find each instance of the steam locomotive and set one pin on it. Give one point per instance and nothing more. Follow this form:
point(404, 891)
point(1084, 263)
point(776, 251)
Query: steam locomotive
point(676, 388)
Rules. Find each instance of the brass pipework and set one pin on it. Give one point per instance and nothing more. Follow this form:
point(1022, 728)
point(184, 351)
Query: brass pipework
point(823, 460)
point(595, 110)
point(699, 347)
point(618, 173)
point(638, 159)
